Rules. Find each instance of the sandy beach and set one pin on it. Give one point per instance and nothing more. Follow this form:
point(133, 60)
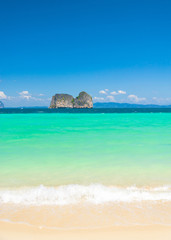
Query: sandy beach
point(10, 231)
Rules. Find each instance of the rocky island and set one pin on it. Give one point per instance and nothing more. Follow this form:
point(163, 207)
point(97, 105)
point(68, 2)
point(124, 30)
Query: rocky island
point(1, 105)
point(84, 100)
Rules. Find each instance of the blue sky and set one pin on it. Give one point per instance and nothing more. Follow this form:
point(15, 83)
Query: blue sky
point(116, 50)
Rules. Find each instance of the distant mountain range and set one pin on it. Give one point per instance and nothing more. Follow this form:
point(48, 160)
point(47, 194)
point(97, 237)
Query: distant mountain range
point(127, 105)
point(107, 105)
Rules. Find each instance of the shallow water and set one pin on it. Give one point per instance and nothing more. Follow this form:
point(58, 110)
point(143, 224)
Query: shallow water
point(108, 165)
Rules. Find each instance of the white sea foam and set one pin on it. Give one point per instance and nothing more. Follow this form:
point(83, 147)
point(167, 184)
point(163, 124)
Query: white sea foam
point(74, 194)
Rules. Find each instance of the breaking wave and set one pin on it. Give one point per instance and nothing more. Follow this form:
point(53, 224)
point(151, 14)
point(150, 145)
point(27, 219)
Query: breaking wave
point(75, 194)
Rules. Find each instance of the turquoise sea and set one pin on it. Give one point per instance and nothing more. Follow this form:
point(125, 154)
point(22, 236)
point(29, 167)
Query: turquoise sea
point(65, 159)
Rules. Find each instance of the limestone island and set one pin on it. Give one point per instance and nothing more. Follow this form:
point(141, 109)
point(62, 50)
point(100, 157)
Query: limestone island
point(84, 100)
point(1, 105)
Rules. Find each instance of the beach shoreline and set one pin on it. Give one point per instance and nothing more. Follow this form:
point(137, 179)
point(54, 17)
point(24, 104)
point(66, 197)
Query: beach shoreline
point(13, 231)
point(108, 178)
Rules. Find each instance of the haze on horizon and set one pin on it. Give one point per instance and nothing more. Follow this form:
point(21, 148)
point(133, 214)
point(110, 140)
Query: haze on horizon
point(116, 50)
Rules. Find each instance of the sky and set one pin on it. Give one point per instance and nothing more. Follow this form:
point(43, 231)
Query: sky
point(116, 50)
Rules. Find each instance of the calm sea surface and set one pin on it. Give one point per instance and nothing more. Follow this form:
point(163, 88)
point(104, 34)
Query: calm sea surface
point(69, 157)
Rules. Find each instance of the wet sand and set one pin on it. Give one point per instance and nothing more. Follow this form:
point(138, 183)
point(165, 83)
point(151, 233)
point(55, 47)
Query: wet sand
point(11, 231)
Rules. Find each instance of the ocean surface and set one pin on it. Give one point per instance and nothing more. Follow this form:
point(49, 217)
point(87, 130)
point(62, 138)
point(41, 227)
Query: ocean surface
point(74, 170)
